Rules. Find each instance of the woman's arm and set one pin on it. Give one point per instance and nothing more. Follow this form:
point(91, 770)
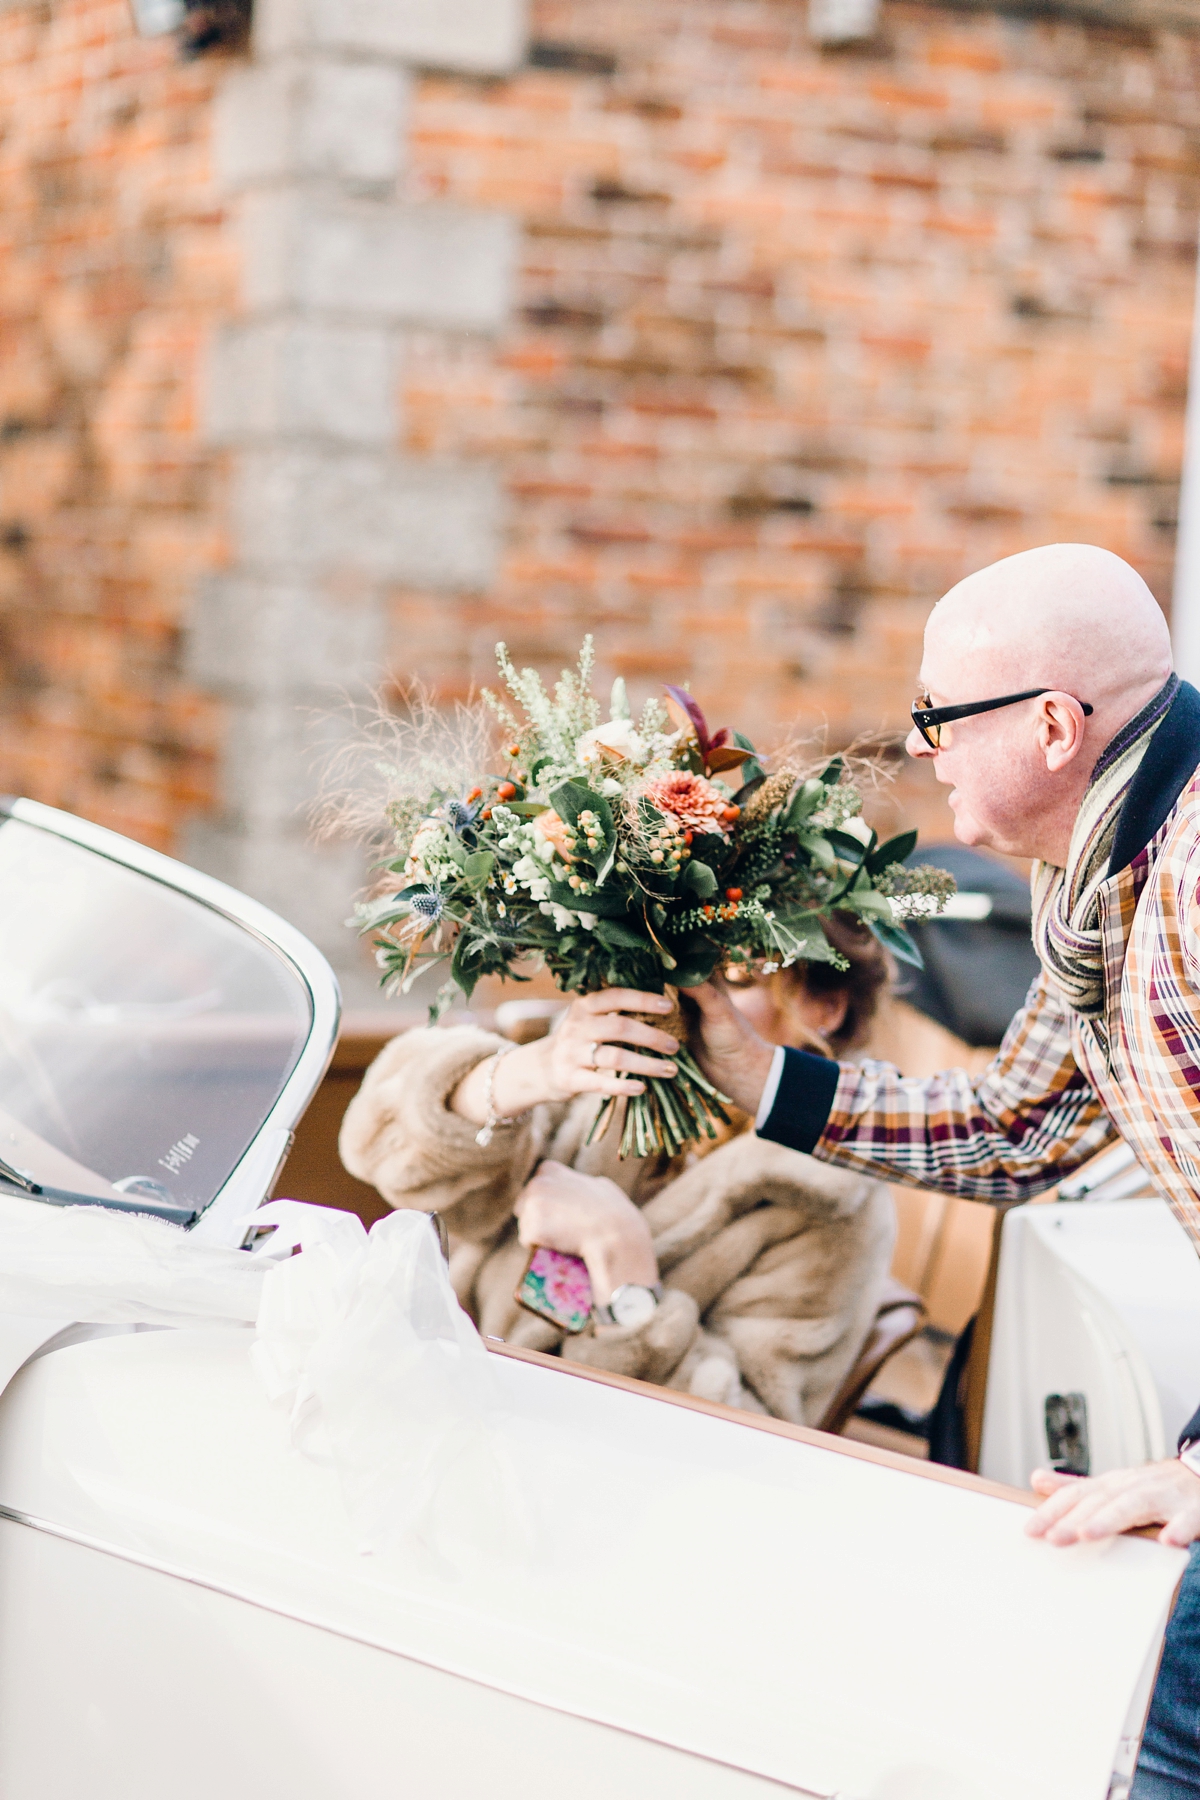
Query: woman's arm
point(595, 1049)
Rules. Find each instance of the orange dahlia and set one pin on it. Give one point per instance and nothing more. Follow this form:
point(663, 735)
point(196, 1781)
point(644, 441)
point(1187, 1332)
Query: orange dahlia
point(696, 803)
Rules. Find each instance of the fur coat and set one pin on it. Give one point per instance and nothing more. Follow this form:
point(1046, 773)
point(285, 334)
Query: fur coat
point(772, 1263)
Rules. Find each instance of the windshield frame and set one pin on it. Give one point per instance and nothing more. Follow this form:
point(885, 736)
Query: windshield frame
point(251, 1180)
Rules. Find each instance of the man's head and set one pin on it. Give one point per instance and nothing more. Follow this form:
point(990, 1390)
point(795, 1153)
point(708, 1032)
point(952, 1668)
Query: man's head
point(1069, 618)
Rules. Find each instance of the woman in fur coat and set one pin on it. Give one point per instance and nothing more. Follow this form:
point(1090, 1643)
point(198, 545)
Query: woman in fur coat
point(746, 1273)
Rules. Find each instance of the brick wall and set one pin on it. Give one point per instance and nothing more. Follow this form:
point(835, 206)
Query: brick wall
point(798, 337)
point(113, 262)
point(805, 336)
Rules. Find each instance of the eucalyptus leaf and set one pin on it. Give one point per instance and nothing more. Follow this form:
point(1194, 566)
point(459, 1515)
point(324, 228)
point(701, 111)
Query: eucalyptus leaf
point(896, 850)
point(699, 879)
point(869, 903)
point(807, 799)
point(574, 797)
point(477, 869)
point(752, 770)
point(618, 936)
point(606, 903)
point(898, 941)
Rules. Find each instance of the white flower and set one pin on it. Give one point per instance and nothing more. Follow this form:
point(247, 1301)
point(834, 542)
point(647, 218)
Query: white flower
point(563, 917)
point(619, 740)
point(428, 852)
point(587, 920)
point(609, 788)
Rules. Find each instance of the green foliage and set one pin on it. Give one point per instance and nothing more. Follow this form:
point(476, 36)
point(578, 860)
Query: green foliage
point(613, 860)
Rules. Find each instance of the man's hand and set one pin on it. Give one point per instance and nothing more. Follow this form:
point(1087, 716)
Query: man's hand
point(730, 1051)
point(1079, 1510)
point(588, 1216)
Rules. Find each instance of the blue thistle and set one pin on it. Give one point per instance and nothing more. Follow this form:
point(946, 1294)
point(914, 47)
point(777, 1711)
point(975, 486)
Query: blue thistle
point(428, 907)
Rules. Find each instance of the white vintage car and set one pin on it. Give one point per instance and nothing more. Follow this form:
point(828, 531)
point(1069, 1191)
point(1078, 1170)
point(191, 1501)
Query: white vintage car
point(660, 1597)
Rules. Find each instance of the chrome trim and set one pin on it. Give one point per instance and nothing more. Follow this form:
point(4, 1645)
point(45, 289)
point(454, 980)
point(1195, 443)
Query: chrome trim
point(173, 1572)
point(249, 1182)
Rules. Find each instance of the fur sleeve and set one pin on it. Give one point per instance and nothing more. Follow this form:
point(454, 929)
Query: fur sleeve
point(400, 1135)
point(735, 1179)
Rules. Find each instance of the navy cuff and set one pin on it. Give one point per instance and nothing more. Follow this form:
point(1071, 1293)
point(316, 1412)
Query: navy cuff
point(1191, 1430)
point(803, 1100)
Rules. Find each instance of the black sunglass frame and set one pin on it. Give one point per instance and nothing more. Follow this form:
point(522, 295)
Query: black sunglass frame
point(928, 719)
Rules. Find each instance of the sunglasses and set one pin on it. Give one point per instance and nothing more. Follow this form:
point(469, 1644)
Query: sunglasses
point(930, 719)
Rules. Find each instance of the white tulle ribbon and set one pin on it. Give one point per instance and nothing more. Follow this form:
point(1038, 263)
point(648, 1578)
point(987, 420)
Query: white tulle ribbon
point(360, 1337)
point(109, 1268)
point(385, 1377)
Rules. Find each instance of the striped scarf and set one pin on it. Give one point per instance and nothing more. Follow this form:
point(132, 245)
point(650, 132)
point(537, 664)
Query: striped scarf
point(1066, 914)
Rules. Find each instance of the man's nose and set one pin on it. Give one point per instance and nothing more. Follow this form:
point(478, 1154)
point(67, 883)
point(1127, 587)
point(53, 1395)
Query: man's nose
point(916, 745)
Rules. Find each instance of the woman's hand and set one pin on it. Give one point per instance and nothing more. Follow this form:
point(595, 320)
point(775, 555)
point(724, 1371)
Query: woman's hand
point(1077, 1509)
point(588, 1216)
point(595, 1049)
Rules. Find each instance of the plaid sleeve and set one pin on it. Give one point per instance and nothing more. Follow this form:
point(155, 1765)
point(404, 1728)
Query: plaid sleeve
point(1023, 1124)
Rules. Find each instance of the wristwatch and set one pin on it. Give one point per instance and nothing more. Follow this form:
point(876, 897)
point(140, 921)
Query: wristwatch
point(1189, 1456)
point(631, 1304)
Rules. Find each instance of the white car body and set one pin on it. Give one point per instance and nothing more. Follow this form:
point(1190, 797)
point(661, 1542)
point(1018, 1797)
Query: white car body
point(704, 1604)
point(1097, 1312)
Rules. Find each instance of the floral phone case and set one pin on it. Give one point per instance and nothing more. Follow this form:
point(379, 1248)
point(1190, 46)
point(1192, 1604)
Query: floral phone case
point(556, 1286)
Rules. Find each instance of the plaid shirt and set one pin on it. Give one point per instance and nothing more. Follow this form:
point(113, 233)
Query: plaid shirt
point(1062, 1086)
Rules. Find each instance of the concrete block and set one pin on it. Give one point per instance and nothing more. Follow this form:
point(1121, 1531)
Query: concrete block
point(477, 36)
point(313, 886)
point(842, 21)
point(313, 118)
point(278, 642)
point(444, 266)
point(296, 377)
point(266, 775)
point(303, 513)
point(251, 126)
point(351, 121)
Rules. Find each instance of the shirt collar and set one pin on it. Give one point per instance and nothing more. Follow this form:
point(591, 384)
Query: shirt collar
point(1171, 759)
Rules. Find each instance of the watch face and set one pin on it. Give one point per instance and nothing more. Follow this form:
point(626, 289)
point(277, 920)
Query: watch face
point(632, 1305)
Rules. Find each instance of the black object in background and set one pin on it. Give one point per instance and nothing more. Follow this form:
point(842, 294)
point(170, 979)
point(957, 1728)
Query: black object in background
point(977, 971)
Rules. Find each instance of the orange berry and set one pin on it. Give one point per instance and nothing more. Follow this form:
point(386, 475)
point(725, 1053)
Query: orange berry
point(733, 893)
point(731, 812)
point(473, 796)
point(486, 813)
point(513, 749)
point(505, 791)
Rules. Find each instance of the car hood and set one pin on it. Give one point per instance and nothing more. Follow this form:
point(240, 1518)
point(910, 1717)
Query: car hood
point(750, 1598)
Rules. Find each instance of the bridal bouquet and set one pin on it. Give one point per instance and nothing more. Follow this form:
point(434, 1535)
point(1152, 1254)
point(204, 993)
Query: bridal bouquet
point(633, 854)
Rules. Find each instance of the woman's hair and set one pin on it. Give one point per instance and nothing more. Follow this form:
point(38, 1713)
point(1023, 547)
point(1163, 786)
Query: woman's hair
point(862, 983)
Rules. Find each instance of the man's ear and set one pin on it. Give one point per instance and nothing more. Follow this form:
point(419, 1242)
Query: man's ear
point(1060, 730)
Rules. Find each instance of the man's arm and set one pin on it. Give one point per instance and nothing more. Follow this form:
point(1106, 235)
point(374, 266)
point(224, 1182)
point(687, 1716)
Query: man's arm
point(1024, 1123)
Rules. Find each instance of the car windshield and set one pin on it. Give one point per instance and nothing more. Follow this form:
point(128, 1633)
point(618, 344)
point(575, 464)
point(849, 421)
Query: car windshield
point(144, 1037)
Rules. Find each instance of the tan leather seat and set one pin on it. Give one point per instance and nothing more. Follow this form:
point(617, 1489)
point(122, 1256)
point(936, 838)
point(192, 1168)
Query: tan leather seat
point(899, 1317)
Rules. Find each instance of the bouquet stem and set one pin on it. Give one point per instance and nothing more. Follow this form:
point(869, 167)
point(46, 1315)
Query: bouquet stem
point(671, 1114)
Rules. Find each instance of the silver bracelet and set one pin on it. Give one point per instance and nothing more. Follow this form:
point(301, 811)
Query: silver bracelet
point(483, 1136)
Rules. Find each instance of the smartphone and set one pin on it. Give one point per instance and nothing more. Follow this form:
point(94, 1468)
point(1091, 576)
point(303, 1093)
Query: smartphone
point(556, 1286)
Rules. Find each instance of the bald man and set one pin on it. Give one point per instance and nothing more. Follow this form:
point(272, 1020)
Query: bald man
point(1049, 708)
